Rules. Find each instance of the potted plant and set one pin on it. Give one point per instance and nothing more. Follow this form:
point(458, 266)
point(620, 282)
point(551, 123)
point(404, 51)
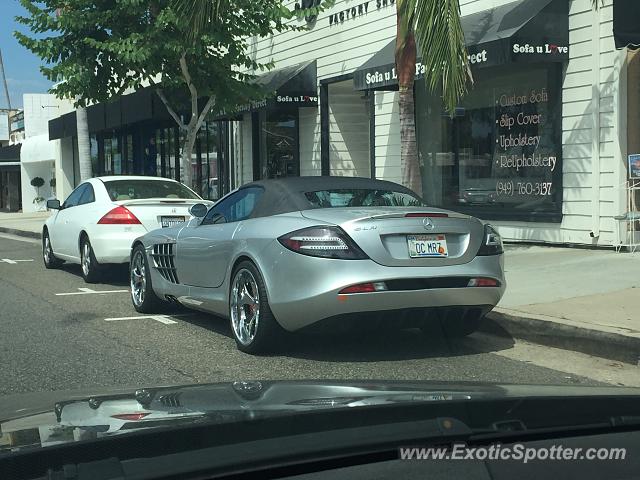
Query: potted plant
point(38, 182)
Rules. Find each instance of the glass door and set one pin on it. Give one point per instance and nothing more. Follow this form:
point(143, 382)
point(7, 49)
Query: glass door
point(279, 150)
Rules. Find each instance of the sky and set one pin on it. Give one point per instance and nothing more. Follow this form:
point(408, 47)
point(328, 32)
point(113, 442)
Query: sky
point(22, 68)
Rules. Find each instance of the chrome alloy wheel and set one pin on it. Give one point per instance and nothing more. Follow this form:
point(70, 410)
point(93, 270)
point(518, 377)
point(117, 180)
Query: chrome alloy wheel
point(46, 250)
point(138, 278)
point(85, 261)
point(245, 306)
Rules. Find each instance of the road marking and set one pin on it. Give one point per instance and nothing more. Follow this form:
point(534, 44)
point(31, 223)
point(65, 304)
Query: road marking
point(17, 238)
point(88, 291)
point(13, 262)
point(166, 319)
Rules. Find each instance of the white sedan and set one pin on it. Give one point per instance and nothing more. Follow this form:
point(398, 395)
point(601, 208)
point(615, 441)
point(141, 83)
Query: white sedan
point(102, 217)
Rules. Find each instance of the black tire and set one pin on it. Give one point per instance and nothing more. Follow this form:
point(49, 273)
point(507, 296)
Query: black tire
point(267, 331)
point(89, 266)
point(49, 259)
point(149, 303)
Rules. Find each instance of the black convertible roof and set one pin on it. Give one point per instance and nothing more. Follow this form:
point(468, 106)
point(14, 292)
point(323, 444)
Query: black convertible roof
point(283, 195)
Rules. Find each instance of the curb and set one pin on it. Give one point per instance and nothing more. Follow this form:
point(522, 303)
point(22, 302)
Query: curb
point(564, 334)
point(21, 233)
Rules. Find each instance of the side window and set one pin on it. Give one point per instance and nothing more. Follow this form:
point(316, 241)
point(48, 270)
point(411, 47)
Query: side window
point(238, 206)
point(88, 196)
point(74, 199)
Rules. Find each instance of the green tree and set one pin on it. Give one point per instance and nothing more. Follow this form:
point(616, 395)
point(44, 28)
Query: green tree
point(99, 50)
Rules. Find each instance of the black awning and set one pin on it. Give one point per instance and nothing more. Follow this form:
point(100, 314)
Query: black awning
point(296, 85)
point(10, 153)
point(524, 31)
point(626, 23)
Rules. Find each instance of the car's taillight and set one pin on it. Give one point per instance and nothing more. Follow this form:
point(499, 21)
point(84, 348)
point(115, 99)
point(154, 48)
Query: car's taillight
point(483, 282)
point(364, 288)
point(119, 216)
point(326, 242)
point(131, 417)
point(491, 242)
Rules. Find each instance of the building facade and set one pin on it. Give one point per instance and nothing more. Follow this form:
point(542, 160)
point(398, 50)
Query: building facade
point(538, 146)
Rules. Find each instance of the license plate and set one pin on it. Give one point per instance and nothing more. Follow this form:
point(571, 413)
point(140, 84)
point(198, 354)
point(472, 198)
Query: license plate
point(170, 221)
point(427, 246)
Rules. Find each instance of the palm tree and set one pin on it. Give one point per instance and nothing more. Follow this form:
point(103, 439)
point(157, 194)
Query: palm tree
point(435, 24)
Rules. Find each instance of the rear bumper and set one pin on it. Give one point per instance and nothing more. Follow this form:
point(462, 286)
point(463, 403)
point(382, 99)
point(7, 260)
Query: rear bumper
point(303, 290)
point(112, 243)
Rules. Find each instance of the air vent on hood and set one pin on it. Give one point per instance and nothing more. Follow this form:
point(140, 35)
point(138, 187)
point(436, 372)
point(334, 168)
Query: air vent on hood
point(170, 399)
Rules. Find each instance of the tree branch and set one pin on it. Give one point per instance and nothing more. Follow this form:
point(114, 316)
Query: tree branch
point(192, 87)
point(171, 111)
point(206, 109)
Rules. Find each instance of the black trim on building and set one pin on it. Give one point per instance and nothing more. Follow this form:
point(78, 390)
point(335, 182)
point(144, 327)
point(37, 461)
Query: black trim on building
point(10, 153)
point(372, 131)
point(626, 27)
point(255, 144)
point(324, 129)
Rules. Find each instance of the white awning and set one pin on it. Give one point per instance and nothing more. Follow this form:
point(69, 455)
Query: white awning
point(38, 149)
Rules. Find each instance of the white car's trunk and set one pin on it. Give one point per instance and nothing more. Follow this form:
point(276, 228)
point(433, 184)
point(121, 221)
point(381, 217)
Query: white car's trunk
point(160, 212)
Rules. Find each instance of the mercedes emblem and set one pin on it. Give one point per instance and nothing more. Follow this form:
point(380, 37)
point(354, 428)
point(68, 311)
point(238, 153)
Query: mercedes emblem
point(427, 223)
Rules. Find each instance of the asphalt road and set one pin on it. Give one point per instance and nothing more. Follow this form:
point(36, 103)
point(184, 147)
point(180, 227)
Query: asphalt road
point(53, 342)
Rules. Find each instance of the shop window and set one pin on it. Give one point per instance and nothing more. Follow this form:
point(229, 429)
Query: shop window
point(279, 153)
point(500, 155)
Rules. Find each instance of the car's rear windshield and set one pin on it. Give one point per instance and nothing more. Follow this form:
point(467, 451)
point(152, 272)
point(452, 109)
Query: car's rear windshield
point(364, 197)
point(140, 189)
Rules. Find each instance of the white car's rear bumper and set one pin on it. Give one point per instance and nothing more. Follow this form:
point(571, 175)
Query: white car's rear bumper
point(112, 243)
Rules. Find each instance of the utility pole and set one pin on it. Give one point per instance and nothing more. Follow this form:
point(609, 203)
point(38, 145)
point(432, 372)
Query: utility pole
point(4, 81)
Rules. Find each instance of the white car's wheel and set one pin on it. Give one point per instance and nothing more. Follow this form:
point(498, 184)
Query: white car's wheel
point(91, 270)
point(143, 297)
point(50, 260)
point(253, 325)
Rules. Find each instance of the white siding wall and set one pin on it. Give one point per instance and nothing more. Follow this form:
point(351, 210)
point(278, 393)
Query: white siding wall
point(387, 125)
point(349, 153)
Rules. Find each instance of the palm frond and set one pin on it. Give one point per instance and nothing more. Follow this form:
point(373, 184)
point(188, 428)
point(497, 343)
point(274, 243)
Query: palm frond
point(441, 39)
point(200, 12)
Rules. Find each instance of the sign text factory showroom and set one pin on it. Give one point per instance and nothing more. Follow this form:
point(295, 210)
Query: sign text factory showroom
point(536, 146)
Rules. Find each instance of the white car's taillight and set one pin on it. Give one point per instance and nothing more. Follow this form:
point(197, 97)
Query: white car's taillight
point(119, 216)
point(326, 242)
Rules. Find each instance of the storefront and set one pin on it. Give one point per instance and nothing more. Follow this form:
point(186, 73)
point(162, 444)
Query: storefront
point(136, 136)
point(536, 145)
point(10, 195)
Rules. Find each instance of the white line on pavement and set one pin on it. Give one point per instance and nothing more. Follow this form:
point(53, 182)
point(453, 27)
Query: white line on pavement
point(14, 262)
point(17, 238)
point(158, 318)
point(88, 291)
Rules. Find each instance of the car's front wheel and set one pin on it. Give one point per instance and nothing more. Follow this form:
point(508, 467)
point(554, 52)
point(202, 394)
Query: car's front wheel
point(143, 297)
point(91, 269)
point(50, 260)
point(253, 325)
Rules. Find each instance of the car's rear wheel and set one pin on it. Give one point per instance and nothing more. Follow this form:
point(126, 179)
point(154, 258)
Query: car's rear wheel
point(253, 325)
point(50, 260)
point(91, 269)
point(143, 297)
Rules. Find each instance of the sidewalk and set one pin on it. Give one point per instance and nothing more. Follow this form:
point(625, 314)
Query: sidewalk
point(571, 298)
point(23, 224)
point(577, 299)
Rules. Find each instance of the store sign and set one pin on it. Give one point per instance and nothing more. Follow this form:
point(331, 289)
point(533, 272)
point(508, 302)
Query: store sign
point(351, 13)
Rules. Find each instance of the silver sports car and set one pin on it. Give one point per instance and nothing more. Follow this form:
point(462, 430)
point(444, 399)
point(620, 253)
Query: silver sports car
point(287, 254)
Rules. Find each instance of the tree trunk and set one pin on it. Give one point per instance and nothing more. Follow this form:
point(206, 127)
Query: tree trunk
point(84, 144)
point(406, 67)
point(187, 149)
point(411, 175)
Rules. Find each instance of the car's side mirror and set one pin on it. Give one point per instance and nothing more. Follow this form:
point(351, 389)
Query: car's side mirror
point(199, 210)
point(53, 204)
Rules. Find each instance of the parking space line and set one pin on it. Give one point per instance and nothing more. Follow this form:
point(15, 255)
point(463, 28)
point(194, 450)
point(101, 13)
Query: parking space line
point(165, 319)
point(88, 291)
point(14, 262)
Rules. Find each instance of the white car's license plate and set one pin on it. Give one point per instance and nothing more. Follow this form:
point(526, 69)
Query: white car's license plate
point(170, 221)
point(427, 246)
